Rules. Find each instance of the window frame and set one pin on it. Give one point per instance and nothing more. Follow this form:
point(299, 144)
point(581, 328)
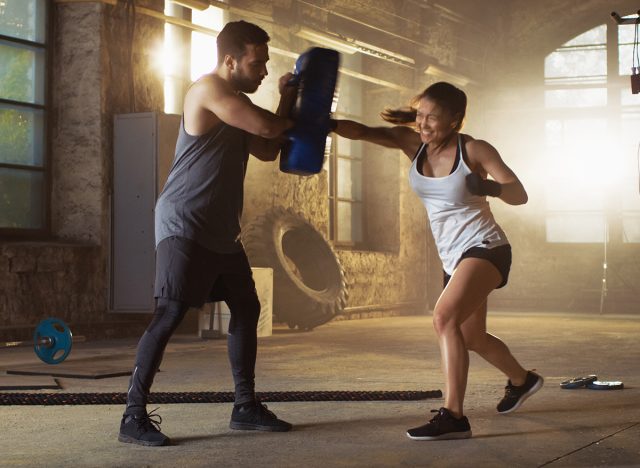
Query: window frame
point(614, 83)
point(44, 231)
point(333, 197)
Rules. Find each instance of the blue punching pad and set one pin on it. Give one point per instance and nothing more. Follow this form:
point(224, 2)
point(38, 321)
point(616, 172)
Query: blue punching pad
point(316, 71)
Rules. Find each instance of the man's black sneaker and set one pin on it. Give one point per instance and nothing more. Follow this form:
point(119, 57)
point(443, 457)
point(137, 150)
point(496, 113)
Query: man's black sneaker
point(256, 417)
point(442, 426)
point(142, 429)
point(515, 396)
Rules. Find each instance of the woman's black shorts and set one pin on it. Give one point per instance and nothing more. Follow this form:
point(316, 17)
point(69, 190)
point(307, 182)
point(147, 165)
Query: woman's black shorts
point(500, 257)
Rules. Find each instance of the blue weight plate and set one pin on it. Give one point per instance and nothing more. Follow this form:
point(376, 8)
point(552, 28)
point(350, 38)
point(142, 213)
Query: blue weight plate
point(605, 385)
point(61, 341)
point(578, 382)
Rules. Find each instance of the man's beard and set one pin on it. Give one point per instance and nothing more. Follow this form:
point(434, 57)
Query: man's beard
point(244, 84)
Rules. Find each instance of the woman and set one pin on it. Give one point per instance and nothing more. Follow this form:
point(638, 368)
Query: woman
point(449, 173)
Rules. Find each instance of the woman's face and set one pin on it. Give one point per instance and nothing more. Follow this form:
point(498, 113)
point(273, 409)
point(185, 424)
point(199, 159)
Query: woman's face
point(433, 122)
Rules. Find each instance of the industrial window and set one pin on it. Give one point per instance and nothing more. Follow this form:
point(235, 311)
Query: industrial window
point(23, 112)
point(344, 166)
point(189, 52)
point(592, 138)
point(345, 191)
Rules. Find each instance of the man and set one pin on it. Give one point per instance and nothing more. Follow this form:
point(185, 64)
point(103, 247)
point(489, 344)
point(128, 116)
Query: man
point(199, 257)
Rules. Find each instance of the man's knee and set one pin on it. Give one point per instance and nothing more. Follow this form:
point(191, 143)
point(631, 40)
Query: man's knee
point(166, 317)
point(245, 314)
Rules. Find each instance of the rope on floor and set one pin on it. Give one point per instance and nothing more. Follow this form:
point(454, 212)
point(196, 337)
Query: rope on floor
point(7, 399)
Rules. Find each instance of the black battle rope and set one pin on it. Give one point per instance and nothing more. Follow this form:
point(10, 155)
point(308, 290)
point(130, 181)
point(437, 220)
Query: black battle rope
point(7, 399)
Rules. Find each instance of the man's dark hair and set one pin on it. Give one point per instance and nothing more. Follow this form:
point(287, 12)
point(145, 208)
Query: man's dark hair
point(234, 37)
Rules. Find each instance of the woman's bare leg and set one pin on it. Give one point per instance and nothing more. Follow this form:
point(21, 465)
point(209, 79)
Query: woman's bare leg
point(468, 289)
point(490, 347)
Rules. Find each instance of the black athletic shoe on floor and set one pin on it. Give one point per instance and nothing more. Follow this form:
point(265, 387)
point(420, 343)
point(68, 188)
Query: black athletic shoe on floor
point(515, 396)
point(256, 417)
point(142, 429)
point(443, 426)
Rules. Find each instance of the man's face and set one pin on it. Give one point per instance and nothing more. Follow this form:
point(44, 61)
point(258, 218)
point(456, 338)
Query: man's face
point(251, 68)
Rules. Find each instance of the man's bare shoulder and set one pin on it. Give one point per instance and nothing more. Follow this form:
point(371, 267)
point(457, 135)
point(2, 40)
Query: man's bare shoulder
point(209, 84)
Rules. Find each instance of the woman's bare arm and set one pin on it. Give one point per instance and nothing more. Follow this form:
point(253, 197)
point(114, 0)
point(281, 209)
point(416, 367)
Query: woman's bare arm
point(400, 136)
point(485, 156)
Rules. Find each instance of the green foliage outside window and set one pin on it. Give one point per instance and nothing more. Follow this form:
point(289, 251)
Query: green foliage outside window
point(15, 131)
point(21, 190)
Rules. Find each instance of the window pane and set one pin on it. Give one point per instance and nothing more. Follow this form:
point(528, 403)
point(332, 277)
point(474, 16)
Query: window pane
point(625, 49)
point(585, 181)
point(587, 97)
point(629, 188)
point(625, 33)
point(328, 154)
point(23, 19)
point(349, 89)
point(553, 133)
point(21, 199)
point(349, 222)
point(576, 63)
point(328, 142)
point(625, 60)
point(349, 179)
point(578, 148)
point(344, 146)
point(631, 227)
point(21, 136)
point(22, 73)
point(174, 67)
point(212, 18)
point(597, 35)
point(630, 142)
point(204, 53)
point(574, 195)
point(575, 227)
point(629, 99)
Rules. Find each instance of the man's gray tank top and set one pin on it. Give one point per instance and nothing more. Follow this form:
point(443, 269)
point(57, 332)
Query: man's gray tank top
point(203, 196)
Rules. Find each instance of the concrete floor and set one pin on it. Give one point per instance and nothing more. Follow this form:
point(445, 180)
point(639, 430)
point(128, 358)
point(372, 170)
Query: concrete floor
point(555, 427)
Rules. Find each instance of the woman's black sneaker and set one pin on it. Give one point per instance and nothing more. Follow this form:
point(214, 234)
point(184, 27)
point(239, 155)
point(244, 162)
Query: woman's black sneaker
point(142, 429)
point(443, 426)
point(256, 417)
point(515, 396)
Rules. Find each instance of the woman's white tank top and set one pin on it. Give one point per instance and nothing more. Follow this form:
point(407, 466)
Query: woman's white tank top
point(459, 220)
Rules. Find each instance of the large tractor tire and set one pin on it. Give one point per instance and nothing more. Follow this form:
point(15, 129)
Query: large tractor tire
point(309, 283)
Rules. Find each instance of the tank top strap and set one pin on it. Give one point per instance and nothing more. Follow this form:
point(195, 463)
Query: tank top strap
point(463, 149)
point(420, 149)
point(456, 161)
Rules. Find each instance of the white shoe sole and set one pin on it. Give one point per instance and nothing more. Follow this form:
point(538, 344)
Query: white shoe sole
point(447, 436)
point(524, 397)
